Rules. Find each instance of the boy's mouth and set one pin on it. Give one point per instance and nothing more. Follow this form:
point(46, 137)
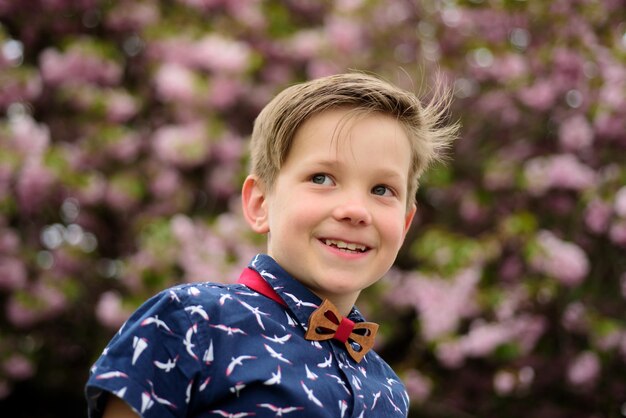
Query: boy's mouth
point(349, 247)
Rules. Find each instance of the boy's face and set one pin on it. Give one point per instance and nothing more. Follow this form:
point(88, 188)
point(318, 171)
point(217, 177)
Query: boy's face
point(337, 214)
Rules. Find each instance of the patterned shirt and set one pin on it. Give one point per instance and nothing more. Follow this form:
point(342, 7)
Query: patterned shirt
point(211, 350)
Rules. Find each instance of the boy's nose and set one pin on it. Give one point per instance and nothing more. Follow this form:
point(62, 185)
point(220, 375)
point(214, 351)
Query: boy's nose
point(353, 211)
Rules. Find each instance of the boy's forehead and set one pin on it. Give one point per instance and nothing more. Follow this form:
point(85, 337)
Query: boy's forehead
point(338, 135)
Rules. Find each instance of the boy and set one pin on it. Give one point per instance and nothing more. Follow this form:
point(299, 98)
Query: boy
point(335, 164)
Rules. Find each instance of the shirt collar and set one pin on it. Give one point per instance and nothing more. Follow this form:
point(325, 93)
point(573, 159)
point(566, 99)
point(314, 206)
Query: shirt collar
point(299, 299)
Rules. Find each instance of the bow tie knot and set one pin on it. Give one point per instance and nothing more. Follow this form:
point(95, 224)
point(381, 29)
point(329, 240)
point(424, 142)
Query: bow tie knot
point(326, 323)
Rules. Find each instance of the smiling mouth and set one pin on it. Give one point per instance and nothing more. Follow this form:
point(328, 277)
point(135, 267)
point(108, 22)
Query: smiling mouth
point(349, 247)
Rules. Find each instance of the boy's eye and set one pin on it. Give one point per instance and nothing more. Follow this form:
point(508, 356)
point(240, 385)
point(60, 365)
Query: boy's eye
point(321, 179)
point(381, 190)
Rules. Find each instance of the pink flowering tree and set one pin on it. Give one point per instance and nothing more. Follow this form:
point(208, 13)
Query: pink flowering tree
point(123, 129)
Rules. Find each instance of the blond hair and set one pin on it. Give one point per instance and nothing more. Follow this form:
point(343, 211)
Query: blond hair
point(276, 125)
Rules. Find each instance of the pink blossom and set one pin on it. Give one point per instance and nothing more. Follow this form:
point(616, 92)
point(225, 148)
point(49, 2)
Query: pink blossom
point(93, 190)
point(126, 147)
point(76, 66)
point(30, 138)
point(417, 385)
point(123, 191)
point(617, 232)
point(34, 185)
point(450, 354)
point(110, 311)
point(575, 317)
point(229, 149)
point(166, 183)
point(44, 303)
point(222, 180)
point(13, 274)
point(22, 86)
point(561, 171)
point(597, 216)
point(540, 96)
point(575, 133)
point(18, 367)
point(224, 92)
point(441, 303)
point(346, 35)
point(565, 261)
point(220, 54)
point(622, 281)
point(120, 106)
point(132, 16)
point(620, 202)
point(182, 145)
point(306, 44)
point(504, 382)
point(584, 370)
point(9, 241)
point(482, 339)
point(175, 83)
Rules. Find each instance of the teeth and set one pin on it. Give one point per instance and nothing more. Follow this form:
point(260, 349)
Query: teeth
point(345, 245)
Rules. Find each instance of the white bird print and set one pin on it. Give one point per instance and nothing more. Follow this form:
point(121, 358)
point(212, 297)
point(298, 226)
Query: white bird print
point(253, 263)
point(237, 362)
point(276, 355)
point(237, 388)
point(376, 396)
point(311, 396)
point(267, 274)
point(146, 402)
point(193, 291)
point(343, 407)
point(160, 400)
point(120, 393)
point(197, 309)
point(139, 344)
point(363, 371)
point(248, 294)
point(309, 374)
point(187, 341)
point(208, 356)
point(290, 320)
point(204, 384)
point(224, 298)
point(231, 415)
point(168, 366)
point(356, 382)
point(395, 407)
point(256, 312)
point(277, 339)
point(316, 344)
point(275, 379)
point(188, 392)
point(361, 414)
point(339, 381)
point(327, 362)
point(229, 330)
point(280, 411)
point(300, 303)
point(111, 375)
point(174, 296)
point(156, 321)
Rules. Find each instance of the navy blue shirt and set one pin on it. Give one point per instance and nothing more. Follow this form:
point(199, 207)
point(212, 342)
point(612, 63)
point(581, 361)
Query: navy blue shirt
point(211, 350)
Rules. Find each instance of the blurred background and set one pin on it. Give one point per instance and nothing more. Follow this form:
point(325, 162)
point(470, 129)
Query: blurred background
point(123, 140)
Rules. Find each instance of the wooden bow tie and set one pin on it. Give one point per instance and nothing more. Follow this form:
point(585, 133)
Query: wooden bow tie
point(326, 323)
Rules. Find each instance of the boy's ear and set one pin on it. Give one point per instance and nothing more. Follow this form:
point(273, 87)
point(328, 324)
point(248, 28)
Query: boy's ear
point(254, 204)
point(410, 214)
